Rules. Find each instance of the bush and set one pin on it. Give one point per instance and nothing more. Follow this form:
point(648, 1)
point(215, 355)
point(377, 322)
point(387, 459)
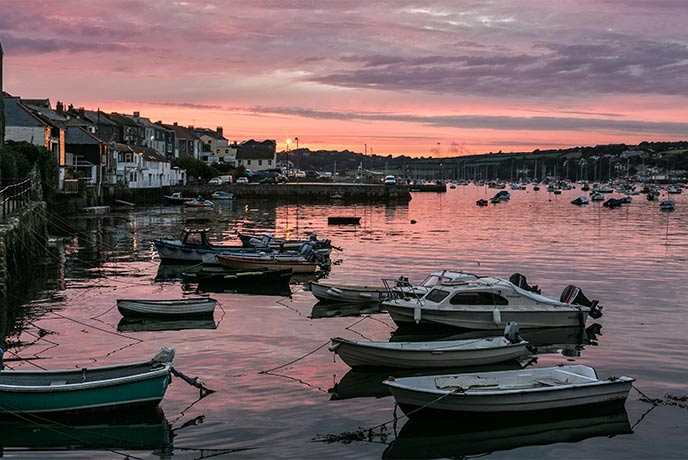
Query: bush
point(18, 159)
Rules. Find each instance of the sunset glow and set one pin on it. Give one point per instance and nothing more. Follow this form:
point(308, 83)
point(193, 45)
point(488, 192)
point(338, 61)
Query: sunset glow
point(441, 78)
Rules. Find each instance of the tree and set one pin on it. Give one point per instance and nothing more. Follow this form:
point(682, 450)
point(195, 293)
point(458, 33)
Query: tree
point(19, 158)
point(195, 168)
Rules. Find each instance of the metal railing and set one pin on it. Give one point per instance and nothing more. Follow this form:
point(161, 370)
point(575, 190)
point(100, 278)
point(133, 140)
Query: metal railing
point(13, 196)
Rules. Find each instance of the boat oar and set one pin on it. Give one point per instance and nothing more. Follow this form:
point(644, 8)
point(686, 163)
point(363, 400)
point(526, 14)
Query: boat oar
point(194, 381)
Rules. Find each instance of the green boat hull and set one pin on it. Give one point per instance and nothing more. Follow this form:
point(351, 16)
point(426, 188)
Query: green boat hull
point(136, 392)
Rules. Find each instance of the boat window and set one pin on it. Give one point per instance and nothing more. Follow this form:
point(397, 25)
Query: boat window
point(193, 239)
point(436, 295)
point(431, 280)
point(478, 298)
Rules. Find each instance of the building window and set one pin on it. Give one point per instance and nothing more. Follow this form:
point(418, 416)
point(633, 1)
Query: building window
point(248, 162)
point(260, 162)
point(269, 162)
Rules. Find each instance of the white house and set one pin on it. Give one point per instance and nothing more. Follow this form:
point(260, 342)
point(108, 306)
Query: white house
point(143, 167)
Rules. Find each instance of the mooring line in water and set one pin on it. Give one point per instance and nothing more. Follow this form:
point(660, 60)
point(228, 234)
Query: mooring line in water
point(134, 339)
point(302, 382)
point(295, 360)
point(367, 434)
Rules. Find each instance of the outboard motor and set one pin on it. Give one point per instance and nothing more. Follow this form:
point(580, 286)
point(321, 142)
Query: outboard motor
point(520, 281)
point(306, 251)
point(511, 332)
point(574, 295)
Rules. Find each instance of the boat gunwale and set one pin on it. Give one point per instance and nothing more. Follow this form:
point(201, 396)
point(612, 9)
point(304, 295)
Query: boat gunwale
point(153, 372)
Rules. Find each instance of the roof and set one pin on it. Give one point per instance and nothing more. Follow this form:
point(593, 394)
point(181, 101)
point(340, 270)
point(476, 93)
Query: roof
point(80, 135)
point(255, 150)
point(17, 114)
point(148, 153)
point(121, 119)
point(96, 117)
point(181, 133)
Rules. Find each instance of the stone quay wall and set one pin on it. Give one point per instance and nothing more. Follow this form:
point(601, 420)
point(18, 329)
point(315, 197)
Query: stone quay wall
point(23, 243)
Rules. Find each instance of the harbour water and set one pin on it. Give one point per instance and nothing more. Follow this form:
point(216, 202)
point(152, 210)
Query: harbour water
point(279, 392)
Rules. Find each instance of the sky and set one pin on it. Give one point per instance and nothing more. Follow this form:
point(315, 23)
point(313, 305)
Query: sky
point(421, 78)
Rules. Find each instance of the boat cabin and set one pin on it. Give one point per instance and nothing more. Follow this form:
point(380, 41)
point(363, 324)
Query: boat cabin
point(196, 238)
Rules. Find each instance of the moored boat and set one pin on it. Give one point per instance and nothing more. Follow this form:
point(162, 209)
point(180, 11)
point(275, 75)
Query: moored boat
point(222, 195)
point(48, 392)
point(170, 308)
point(177, 198)
point(464, 353)
point(275, 261)
point(489, 303)
point(521, 391)
point(667, 205)
point(198, 203)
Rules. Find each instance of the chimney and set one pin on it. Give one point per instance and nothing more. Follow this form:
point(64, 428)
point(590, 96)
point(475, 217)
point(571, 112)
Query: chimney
point(137, 114)
point(174, 124)
point(59, 107)
point(219, 131)
point(191, 127)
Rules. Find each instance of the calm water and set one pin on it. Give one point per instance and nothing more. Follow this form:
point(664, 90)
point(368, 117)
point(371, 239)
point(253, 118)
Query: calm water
point(632, 259)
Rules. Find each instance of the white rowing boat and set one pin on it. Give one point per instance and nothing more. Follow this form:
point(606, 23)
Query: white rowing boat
point(177, 308)
point(519, 391)
point(445, 353)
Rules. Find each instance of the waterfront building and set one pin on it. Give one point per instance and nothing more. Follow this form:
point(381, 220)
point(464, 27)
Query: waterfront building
point(186, 143)
point(257, 156)
point(215, 147)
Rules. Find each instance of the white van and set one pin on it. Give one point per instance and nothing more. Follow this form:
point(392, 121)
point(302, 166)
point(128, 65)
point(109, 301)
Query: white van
point(390, 180)
point(226, 179)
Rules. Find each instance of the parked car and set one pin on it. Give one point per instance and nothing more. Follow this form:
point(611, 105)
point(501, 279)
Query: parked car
point(215, 181)
point(390, 180)
point(268, 180)
point(242, 180)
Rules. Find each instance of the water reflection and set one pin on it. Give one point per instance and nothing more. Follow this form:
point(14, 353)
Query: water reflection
point(335, 310)
point(140, 430)
point(458, 439)
point(150, 324)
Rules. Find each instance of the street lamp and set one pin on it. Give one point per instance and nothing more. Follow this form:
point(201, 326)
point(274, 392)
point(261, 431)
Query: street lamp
point(298, 154)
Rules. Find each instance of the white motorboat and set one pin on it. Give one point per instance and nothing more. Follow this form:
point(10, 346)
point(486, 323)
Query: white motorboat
point(490, 303)
point(167, 308)
point(519, 391)
point(459, 353)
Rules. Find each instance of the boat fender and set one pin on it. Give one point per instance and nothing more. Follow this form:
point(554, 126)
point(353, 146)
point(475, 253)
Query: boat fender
point(416, 312)
point(497, 316)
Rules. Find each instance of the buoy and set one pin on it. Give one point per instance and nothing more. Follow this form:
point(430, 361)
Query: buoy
point(497, 316)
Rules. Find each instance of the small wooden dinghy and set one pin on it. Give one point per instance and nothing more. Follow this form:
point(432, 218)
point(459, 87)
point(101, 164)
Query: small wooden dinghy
point(331, 292)
point(448, 353)
point(198, 307)
point(520, 391)
point(87, 389)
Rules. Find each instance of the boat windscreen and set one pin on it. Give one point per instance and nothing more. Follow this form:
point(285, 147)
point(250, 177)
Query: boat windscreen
point(436, 295)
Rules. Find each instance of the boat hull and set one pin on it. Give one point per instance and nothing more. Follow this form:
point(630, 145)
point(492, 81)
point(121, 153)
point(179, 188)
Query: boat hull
point(274, 263)
point(432, 354)
point(423, 400)
point(183, 308)
point(484, 319)
point(62, 396)
point(327, 292)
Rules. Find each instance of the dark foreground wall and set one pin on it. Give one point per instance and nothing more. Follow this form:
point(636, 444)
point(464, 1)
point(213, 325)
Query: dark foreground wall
point(23, 242)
